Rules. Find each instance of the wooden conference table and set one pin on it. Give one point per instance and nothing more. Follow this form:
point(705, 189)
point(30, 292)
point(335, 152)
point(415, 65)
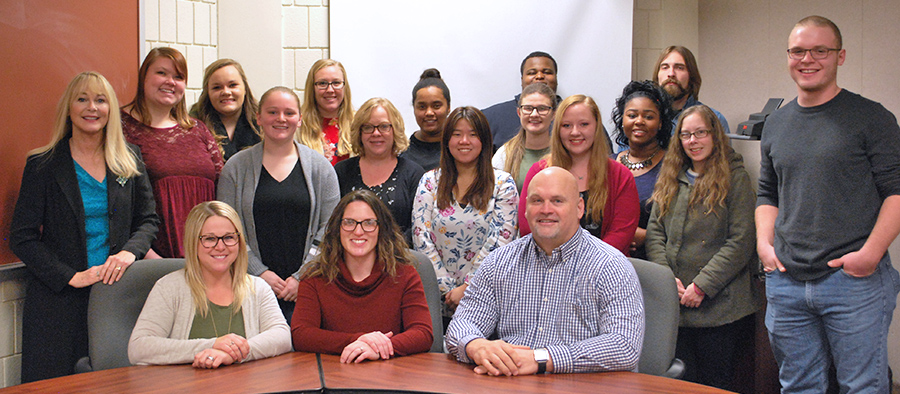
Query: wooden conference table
point(307, 372)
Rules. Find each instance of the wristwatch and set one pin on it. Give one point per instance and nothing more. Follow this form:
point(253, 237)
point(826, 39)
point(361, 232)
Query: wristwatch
point(541, 356)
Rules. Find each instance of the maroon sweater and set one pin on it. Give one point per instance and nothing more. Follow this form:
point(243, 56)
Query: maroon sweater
point(329, 316)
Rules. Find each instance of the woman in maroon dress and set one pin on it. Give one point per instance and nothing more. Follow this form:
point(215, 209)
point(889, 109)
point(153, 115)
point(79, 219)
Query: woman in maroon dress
point(182, 157)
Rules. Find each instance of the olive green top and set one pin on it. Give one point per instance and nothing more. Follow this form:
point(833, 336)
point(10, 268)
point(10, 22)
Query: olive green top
point(217, 322)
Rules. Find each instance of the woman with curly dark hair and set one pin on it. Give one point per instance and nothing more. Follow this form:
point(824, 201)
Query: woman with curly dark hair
point(643, 119)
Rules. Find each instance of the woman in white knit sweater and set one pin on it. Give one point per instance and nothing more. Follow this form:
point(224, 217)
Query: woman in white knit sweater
point(211, 313)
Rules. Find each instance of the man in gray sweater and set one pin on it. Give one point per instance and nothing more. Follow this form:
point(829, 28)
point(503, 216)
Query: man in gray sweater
point(827, 210)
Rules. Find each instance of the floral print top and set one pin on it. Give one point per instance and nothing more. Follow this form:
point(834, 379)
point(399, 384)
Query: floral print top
point(456, 239)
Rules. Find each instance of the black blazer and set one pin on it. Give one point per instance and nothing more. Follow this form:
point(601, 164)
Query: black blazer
point(48, 234)
point(48, 230)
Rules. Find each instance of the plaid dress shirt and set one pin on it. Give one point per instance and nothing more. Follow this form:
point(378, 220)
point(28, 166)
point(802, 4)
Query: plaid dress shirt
point(582, 303)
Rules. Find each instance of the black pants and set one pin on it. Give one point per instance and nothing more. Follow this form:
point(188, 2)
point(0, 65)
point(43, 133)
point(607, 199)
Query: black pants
point(709, 352)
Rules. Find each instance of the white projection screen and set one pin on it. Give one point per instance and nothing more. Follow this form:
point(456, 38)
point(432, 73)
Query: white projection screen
point(478, 45)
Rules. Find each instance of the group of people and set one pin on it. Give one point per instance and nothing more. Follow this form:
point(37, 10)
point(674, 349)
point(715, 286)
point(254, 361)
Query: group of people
point(295, 219)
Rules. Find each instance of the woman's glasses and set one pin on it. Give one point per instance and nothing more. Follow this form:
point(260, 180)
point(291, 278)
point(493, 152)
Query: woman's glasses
point(368, 225)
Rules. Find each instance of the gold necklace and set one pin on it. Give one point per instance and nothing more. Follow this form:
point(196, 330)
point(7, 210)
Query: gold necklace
point(213, 319)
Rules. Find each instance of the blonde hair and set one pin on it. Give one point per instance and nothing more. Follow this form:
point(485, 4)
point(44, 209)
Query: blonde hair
point(515, 147)
point(362, 116)
point(241, 284)
point(119, 158)
point(711, 186)
point(598, 160)
point(310, 131)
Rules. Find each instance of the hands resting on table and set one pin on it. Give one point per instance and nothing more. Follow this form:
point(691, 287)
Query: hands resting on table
point(227, 349)
point(372, 346)
point(498, 358)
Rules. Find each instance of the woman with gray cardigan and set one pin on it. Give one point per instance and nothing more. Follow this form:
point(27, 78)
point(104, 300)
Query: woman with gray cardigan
point(284, 193)
point(701, 225)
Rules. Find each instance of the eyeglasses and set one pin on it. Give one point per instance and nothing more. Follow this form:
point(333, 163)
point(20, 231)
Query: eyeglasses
point(210, 241)
point(541, 109)
point(323, 85)
point(685, 136)
point(384, 128)
point(368, 225)
point(817, 53)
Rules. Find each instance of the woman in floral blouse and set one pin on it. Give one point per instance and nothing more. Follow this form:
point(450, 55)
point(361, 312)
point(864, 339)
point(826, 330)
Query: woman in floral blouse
point(465, 208)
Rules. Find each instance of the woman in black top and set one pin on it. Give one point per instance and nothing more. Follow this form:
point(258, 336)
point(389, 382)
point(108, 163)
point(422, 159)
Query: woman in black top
point(227, 106)
point(377, 136)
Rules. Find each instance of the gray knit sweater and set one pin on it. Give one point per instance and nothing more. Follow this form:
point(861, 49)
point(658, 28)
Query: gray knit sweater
point(237, 187)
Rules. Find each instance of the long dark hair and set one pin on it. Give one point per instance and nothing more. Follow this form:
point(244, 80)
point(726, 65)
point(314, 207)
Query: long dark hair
point(480, 191)
point(391, 248)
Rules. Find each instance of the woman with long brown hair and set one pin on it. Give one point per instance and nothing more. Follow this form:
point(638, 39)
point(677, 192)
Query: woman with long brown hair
point(702, 227)
point(227, 106)
point(362, 298)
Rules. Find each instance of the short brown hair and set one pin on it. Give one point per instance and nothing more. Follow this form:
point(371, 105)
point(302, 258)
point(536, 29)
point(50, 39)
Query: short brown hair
point(822, 21)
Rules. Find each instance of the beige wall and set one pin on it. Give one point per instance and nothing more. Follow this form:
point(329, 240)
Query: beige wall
point(742, 56)
point(658, 24)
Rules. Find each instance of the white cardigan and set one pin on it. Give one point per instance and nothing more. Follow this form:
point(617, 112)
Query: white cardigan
point(161, 332)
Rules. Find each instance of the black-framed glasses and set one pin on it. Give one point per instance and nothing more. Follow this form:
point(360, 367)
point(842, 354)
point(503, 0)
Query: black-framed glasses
point(685, 136)
point(368, 225)
point(384, 128)
point(817, 53)
point(323, 85)
point(541, 109)
point(210, 241)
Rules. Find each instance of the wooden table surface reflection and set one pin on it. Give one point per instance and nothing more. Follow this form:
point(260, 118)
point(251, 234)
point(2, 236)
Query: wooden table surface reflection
point(433, 372)
point(289, 372)
point(299, 372)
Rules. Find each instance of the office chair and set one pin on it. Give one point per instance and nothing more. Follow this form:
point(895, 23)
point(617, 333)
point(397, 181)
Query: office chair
point(661, 314)
point(433, 296)
point(113, 310)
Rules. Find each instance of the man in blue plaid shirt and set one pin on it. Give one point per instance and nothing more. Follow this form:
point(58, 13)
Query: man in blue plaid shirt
point(558, 300)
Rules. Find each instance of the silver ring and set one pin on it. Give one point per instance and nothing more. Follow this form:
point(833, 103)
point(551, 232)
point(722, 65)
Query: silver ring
point(210, 358)
point(361, 350)
point(118, 268)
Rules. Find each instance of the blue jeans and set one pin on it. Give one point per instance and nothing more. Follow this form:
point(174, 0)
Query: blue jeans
point(839, 319)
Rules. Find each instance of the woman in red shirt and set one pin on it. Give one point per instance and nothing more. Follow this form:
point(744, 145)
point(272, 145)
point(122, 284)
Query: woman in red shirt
point(327, 111)
point(578, 144)
point(361, 297)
